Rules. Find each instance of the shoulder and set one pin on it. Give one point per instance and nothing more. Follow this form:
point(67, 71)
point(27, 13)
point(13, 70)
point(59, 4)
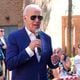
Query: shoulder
point(45, 35)
point(76, 57)
point(16, 33)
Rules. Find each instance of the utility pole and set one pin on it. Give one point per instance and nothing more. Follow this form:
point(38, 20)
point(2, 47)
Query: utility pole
point(69, 27)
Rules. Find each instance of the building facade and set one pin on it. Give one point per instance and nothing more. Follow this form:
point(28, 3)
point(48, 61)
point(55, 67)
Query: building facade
point(75, 33)
point(10, 15)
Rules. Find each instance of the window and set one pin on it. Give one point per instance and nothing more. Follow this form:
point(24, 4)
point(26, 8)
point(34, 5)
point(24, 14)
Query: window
point(8, 29)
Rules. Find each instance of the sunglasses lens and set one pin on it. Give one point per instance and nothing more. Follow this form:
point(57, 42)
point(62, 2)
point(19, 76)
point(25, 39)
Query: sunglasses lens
point(40, 17)
point(34, 17)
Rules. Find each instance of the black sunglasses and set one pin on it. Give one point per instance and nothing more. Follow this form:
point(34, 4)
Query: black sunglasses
point(33, 17)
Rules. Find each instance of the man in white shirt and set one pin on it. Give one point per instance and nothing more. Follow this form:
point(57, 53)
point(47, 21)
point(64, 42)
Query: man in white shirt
point(28, 54)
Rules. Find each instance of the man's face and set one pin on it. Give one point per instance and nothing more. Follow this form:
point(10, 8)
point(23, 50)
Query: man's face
point(1, 32)
point(33, 19)
point(68, 63)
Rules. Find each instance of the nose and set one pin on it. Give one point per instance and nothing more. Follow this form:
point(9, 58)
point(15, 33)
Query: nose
point(37, 20)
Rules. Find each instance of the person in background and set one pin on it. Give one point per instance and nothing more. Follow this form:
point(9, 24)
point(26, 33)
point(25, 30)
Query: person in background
point(3, 44)
point(1, 73)
point(29, 51)
point(58, 54)
point(77, 62)
point(64, 64)
point(3, 47)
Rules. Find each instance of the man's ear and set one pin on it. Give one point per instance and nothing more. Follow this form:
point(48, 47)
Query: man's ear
point(24, 17)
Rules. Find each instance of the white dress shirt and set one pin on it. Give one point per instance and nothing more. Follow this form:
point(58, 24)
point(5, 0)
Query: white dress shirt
point(3, 41)
point(28, 50)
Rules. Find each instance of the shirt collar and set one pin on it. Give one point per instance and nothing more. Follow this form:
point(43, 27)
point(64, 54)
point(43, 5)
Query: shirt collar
point(28, 31)
point(1, 37)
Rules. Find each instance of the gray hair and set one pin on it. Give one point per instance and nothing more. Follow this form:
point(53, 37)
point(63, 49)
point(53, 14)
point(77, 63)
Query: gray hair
point(31, 6)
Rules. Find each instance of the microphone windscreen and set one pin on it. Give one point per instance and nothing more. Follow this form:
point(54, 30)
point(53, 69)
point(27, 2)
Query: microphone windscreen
point(38, 33)
point(38, 37)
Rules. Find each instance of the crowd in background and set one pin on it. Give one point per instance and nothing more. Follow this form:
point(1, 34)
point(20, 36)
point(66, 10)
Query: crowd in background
point(64, 69)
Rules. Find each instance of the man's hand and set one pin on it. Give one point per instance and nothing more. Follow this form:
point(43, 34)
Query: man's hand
point(35, 43)
point(55, 59)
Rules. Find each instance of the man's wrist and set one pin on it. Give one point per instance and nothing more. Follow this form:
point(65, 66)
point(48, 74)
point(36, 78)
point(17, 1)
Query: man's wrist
point(29, 51)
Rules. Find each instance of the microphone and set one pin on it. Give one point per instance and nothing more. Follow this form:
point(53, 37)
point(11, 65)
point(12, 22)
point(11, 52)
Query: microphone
point(38, 37)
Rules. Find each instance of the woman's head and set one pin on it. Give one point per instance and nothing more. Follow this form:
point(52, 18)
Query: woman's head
point(67, 63)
